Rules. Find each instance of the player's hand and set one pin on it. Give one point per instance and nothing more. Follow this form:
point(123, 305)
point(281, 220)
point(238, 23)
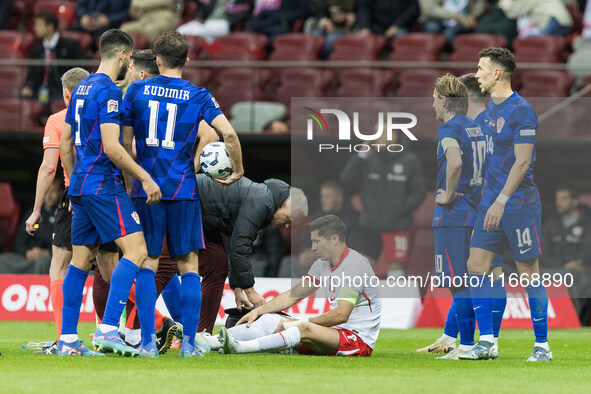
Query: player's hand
point(152, 191)
point(444, 198)
point(249, 318)
point(255, 298)
point(241, 299)
point(70, 209)
point(234, 176)
point(492, 221)
point(32, 223)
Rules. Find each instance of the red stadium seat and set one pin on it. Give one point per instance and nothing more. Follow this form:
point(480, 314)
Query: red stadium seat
point(65, 10)
point(373, 81)
point(196, 46)
point(20, 114)
point(228, 94)
point(418, 82)
point(243, 77)
point(189, 11)
point(11, 80)
point(231, 54)
point(467, 46)
point(549, 83)
point(284, 93)
point(198, 75)
point(140, 41)
point(17, 41)
point(320, 78)
point(359, 43)
point(541, 49)
point(417, 46)
point(288, 55)
point(9, 216)
point(299, 43)
point(253, 43)
point(83, 38)
point(57, 106)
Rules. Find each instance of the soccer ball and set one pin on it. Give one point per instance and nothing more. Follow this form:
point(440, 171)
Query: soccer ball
point(215, 160)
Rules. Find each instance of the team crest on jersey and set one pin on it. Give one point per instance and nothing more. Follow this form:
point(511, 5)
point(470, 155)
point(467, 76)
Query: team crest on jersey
point(112, 106)
point(215, 102)
point(398, 168)
point(135, 217)
point(500, 124)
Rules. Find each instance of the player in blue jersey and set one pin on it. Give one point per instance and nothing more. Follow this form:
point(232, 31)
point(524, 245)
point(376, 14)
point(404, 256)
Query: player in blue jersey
point(103, 211)
point(510, 209)
point(164, 113)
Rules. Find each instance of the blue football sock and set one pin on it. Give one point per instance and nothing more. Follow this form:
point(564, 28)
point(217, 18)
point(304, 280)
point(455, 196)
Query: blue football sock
point(538, 305)
point(121, 281)
point(190, 304)
point(451, 323)
point(171, 296)
point(482, 294)
point(465, 316)
point(145, 300)
point(72, 288)
point(498, 305)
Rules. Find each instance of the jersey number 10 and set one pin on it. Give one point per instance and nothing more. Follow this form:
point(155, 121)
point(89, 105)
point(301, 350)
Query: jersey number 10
point(478, 156)
point(167, 142)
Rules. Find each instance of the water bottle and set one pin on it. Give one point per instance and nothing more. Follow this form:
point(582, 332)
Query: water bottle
point(37, 345)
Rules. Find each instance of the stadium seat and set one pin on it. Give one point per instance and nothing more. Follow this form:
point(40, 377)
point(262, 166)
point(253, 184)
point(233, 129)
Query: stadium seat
point(289, 55)
point(228, 94)
point(189, 11)
point(9, 217)
point(253, 116)
point(65, 10)
point(140, 41)
point(57, 106)
point(83, 38)
point(17, 41)
point(353, 43)
point(198, 75)
point(20, 114)
point(298, 43)
point(417, 46)
point(373, 81)
point(11, 80)
point(549, 83)
point(418, 82)
point(243, 76)
point(253, 43)
point(320, 78)
point(231, 54)
point(474, 43)
point(196, 46)
point(284, 93)
point(541, 49)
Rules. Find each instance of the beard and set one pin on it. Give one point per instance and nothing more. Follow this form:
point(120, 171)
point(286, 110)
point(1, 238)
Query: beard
point(123, 71)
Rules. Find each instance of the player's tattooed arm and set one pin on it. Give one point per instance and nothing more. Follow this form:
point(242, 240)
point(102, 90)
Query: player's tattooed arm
point(206, 135)
point(118, 155)
point(523, 155)
point(67, 149)
point(127, 142)
point(223, 126)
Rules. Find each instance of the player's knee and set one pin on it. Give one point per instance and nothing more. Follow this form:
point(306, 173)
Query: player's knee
point(305, 330)
point(137, 255)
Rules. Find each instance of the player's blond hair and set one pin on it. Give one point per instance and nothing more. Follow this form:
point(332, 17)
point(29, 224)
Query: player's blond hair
point(450, 87)
point(73, 77)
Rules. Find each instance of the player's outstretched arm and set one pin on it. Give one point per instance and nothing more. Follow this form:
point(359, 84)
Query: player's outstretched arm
point(523, 155)
point(67, 149)
point(453, 170)
point(283, 301)
point(118, 155)
point(223, 126)
point(45, 178)
point(206, 135)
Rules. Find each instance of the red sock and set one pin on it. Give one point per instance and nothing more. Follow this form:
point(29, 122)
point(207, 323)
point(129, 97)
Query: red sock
point(159, 319)
point(133, 312)
point(57, 299)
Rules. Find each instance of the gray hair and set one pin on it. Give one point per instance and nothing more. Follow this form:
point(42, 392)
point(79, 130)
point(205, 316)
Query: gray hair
point(73, 77)
point(299, 202)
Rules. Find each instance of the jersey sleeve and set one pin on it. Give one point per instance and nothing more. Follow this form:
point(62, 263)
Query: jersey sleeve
point(111, 108)
point(209, 107)
point(52, 133)
point(448, 137)
point(128, 104)
point(524, 123)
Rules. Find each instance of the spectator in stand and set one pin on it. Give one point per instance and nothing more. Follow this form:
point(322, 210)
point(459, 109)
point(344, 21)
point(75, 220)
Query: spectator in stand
point(275, 17)
point(33, 253)
point(496, 22)
point(97, 16)
point(333, 201)
point(153, 17)
point(566, 246)
point(45, 82)
point(210, 22)
point(332, 18)
point(5, 14)
point(450, 17)
point(538, 17)
point(276, 127)
point(387, 17)
point(392, 186)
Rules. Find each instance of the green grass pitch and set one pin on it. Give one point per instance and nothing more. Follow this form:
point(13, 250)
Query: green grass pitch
point(393, 367)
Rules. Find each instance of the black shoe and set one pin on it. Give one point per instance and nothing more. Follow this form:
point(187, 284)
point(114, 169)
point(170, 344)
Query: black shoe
point(166, 333)
point(51, 349)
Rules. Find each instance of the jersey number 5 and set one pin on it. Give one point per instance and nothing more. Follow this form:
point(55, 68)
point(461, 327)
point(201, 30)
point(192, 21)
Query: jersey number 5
point(79, 104)
point(167, 142)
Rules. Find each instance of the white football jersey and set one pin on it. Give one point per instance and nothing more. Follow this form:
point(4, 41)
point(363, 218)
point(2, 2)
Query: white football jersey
point(353, 272)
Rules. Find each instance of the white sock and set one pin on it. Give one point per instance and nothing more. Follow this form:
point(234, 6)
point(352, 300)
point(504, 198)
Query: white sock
point(446, 339)
point(69, 338)
point(272, 343)
point(497, 341)
point(263, 326)
point(543, 345)
point(466, 348)
point(133, 336)
point(212, 341)
point(106, 328)
point(488, 338)
point(395, 273)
